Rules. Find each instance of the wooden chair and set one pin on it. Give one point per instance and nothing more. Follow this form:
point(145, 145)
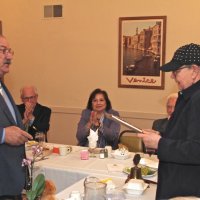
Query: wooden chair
point(131, 141)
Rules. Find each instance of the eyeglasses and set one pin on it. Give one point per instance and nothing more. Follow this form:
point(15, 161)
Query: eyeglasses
point(178, 70)
point(5, 50)
point(28, 98)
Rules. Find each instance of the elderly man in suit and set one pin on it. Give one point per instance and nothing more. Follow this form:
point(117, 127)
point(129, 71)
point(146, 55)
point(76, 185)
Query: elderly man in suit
point(35, 116)
point(12, 136)
point(161, 124)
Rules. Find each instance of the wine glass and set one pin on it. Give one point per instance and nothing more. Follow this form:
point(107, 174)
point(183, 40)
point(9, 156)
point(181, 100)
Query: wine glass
point(92, 147)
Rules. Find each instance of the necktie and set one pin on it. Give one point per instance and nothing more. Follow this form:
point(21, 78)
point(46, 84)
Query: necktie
point(7, 101)
point(1, 89)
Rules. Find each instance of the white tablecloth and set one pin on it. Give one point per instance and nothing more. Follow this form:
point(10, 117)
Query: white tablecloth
point(68, 172)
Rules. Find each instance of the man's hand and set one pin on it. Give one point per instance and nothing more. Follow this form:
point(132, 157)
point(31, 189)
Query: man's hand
point(28, 114)
point(16, 136)
point(150, 138)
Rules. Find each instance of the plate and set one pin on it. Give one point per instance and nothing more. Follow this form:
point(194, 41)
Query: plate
point(151, 172)
point(31, 143)
point(121, 157)
point(149, 163)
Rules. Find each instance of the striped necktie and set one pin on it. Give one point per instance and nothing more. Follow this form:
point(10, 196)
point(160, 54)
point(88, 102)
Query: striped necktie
point(1, 89)
point(7, 101)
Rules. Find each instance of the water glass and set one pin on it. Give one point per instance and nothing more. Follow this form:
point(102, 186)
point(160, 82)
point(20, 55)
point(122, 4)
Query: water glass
point(40, 138)
point(95, 190)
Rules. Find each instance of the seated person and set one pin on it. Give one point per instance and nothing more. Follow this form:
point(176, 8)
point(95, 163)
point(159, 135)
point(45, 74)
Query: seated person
point(161, 124)
point(35, 116)
point(93, 118)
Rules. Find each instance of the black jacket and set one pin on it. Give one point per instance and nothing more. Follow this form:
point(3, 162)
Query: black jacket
point(179, 148)
point(42, 117)
point(160, 125)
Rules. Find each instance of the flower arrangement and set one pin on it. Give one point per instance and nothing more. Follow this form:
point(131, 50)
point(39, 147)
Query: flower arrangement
point(36, 188)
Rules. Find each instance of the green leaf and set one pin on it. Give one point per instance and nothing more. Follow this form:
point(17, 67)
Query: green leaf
point(31, 195)
point(38, 182)
point(40, 190)
point(38, 186)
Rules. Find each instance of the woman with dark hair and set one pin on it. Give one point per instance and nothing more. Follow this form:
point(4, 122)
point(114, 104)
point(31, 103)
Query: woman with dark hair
point(93, 118)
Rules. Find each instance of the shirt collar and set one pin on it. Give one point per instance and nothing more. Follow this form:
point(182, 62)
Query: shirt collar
point(188, 92)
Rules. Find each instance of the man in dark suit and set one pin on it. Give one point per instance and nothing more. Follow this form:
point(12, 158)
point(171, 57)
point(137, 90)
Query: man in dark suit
point(161, 124)
point(12, 137)
point(35, 116)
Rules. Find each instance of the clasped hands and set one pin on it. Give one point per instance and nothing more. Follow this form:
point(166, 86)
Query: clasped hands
point(94, 119)
point(28, 114)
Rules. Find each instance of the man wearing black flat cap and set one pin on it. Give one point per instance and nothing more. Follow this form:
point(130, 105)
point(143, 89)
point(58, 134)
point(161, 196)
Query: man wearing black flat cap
point(179, 147)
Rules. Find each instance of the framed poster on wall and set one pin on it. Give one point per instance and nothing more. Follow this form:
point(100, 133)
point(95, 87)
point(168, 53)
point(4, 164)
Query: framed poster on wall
point(141, 52)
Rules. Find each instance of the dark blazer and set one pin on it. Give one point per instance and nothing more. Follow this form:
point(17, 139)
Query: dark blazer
point(42, 116)
point(12, 174)
point(160, 125)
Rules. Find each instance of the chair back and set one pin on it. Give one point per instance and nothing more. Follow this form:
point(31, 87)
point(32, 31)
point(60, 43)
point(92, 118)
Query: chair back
point(131, 141)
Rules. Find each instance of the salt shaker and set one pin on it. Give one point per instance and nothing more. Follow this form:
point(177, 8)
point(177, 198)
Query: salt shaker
point(106, 153)
point(102, 154)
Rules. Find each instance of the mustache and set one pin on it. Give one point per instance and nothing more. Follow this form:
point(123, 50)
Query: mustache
point(7, 61)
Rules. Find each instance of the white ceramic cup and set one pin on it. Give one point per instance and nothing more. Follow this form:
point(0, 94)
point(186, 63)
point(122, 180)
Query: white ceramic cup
point(76, 195)
point(109, 149)
point(64, 150)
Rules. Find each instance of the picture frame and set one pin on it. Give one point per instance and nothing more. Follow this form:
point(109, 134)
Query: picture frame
point(141, 52)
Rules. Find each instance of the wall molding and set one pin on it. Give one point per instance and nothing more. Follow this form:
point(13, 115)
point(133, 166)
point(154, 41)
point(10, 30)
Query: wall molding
point(123, 114)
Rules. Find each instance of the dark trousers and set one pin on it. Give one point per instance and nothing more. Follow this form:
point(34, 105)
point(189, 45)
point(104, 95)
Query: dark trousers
point(8, 197)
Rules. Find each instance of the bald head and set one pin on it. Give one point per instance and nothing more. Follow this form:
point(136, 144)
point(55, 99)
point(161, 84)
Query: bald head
point(29, 94)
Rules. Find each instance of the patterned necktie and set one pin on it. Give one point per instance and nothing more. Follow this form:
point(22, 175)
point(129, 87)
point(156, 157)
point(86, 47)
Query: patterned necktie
point(7, 101)
point(1, 90)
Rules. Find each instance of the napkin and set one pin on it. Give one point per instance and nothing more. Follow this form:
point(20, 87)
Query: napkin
point(92, 138)
point(115, 167)
point(149, 163)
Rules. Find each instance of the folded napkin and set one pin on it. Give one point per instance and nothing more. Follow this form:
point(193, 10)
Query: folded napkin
point(92, 138)
point(150, 163)
point(115, 167)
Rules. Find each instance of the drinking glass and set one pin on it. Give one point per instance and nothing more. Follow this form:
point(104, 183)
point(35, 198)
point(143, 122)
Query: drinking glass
point(40, 138)
point(94, 189)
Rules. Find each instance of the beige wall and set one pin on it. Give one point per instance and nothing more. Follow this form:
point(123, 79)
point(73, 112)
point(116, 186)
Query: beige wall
point(67, 58)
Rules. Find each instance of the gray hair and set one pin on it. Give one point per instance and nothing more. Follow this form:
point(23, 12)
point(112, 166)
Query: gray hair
point(31, 86)
point(172, 96)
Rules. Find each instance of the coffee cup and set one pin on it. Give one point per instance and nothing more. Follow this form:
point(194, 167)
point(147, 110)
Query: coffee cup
point(64, 150)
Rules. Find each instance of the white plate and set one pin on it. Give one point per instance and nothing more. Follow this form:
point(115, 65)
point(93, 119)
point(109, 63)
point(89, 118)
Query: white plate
point(120, 157)
point(149, 163)
point(152, 173)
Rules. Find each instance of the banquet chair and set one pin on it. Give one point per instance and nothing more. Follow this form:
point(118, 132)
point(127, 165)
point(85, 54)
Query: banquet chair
point(131, 141)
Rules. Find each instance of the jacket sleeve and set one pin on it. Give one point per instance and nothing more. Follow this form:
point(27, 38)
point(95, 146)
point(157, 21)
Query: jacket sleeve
point(111, 129)
point(42, 121)
point(82, 130)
